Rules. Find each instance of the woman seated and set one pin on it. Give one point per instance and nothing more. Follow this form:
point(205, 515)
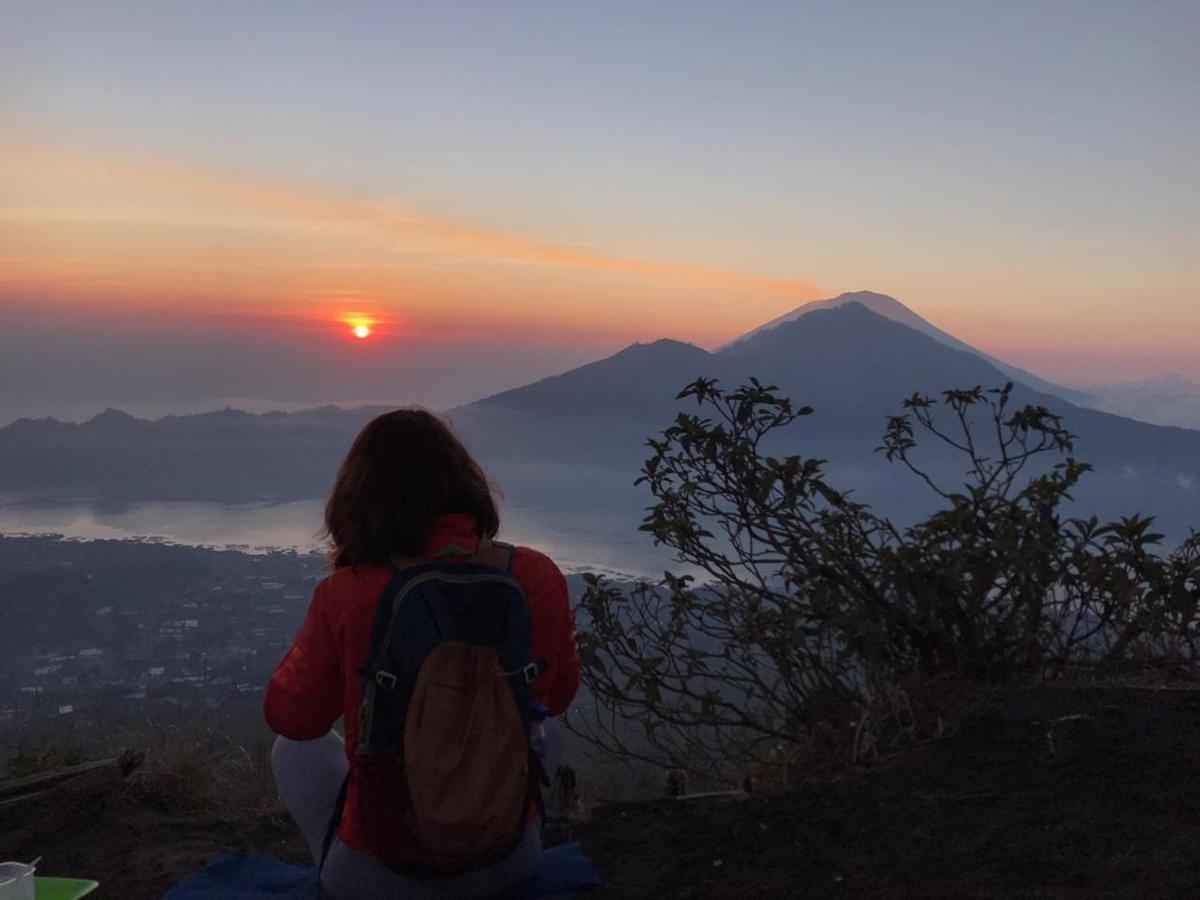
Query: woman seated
point(443, 651)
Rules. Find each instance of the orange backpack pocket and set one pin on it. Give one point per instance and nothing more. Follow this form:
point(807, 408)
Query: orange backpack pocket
point(466, 755)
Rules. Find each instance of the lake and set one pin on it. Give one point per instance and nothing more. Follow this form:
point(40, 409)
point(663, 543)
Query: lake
point(578, 540)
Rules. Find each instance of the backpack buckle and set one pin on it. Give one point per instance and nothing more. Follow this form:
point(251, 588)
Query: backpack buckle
point(527, 673)
point(385, 680)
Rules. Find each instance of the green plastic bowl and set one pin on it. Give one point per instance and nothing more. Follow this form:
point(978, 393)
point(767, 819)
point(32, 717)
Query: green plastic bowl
point(62, 888)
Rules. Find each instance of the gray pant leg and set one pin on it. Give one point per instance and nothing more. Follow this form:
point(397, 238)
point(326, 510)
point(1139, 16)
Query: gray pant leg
point(309, 775)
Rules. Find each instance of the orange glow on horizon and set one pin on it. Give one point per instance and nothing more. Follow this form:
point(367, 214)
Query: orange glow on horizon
point(165, 246)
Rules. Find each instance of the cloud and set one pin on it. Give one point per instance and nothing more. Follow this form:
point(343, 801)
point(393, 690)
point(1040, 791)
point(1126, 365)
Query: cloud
point(289, 206)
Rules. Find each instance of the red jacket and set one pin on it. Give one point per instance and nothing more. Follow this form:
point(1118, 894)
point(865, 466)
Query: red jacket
point(317, 682)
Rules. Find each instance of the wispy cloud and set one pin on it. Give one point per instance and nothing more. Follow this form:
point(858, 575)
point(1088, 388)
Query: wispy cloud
point(262, 205)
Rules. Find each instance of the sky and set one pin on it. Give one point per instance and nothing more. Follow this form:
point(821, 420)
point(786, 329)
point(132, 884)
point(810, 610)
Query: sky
point(199, 200)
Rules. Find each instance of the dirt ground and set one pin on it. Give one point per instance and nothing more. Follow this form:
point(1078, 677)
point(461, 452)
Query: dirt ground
point(1065, 792)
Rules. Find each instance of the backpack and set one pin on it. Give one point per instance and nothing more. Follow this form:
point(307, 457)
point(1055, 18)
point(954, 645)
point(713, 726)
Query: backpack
point(444, 769)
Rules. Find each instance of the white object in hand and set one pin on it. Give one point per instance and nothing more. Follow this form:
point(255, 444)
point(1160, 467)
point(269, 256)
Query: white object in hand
point(16, 880)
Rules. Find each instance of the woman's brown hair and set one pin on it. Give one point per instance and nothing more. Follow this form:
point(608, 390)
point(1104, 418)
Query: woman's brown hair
point(404, 469)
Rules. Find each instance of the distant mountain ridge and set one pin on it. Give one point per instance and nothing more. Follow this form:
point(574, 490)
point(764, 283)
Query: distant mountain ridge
point(1168, 399)
point(225, 455)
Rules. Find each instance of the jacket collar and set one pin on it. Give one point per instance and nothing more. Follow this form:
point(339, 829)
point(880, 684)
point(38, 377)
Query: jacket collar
point(457, 530)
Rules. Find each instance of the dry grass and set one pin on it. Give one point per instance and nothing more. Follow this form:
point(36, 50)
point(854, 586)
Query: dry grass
point(26, 762)
point(201, 770)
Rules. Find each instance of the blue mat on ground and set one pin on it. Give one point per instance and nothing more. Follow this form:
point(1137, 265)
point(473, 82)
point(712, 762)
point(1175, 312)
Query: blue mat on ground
point(253, 876)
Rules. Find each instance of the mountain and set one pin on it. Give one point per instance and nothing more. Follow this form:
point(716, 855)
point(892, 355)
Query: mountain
point(611, 386)
point(808, 357)
point(1168, 399)
point(880, 304)
point(891, 308)
point(854, 367)
point(574, 442)
point(850, 363)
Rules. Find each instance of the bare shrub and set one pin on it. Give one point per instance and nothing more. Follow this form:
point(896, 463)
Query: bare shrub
point(821, 630)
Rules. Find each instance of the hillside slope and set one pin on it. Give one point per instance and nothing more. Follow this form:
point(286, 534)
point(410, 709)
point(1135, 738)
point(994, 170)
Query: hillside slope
point(1040, 793)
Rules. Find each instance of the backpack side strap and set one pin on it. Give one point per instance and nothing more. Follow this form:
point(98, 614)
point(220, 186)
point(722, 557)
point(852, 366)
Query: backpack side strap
point(335, 819)
point(527, 673)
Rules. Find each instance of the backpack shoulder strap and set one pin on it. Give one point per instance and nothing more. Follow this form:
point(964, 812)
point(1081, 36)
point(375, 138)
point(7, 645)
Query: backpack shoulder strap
point(497, 554)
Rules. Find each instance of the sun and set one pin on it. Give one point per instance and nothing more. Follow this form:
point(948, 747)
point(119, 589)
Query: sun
point(360, 323)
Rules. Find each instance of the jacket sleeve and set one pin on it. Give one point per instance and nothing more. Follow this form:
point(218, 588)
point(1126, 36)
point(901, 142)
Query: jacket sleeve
point(552, 633)
point(304, 695)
